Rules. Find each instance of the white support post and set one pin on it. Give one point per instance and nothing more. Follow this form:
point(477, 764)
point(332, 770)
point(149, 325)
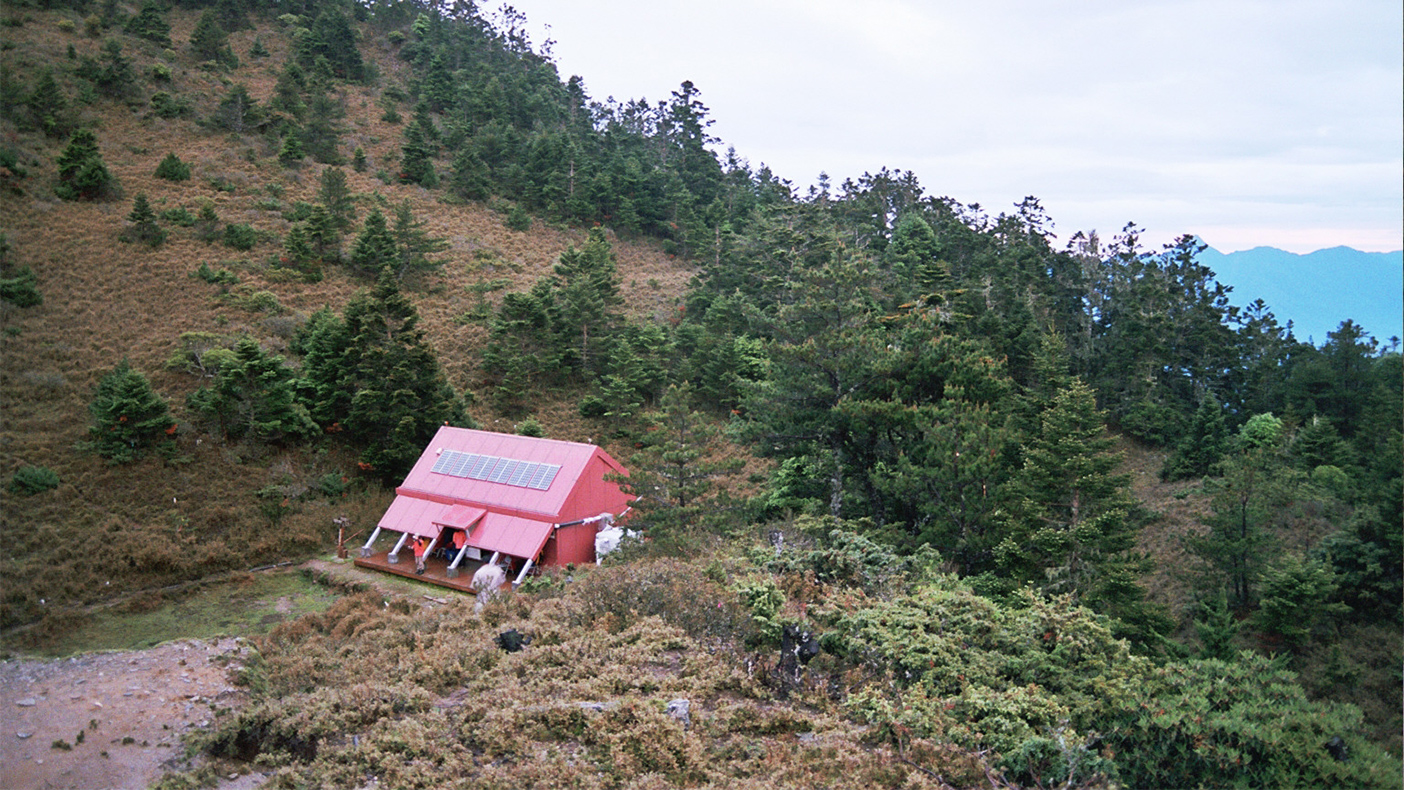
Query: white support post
point(522, 575)
point(366, 549)
point(493, 559)
point(458, 558)
point(394, 556)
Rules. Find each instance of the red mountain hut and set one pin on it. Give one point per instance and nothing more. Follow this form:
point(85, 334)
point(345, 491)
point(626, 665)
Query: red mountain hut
point(484, 497)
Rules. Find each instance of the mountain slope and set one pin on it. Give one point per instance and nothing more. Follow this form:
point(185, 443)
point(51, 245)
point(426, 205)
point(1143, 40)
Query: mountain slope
point(1319, 290)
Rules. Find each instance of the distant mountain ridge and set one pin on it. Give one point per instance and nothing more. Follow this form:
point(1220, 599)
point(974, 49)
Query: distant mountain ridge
point(1318, 290)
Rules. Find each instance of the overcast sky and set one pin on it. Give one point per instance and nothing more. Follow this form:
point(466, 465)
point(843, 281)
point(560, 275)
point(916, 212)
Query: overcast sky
point(1248, 123)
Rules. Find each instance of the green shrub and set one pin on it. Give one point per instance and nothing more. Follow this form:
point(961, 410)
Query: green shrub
point(216, 277)
point(179, 216)
point(172, 169)
point(240, 236)
point(22, 289)
point(30, 480)
point(128, 416)
point(167, 106)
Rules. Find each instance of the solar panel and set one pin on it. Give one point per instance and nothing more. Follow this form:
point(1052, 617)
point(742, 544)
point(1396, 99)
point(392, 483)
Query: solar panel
point(491, 469)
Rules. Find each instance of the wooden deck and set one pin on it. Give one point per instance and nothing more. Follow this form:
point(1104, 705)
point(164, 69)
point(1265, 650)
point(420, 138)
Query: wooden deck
point(435, 569)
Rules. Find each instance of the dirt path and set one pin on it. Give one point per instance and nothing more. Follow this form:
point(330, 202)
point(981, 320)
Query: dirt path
point(121, 714)
point(132, 709)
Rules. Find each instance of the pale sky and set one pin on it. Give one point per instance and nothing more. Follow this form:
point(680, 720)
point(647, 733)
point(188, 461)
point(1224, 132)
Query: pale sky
point(1247, 123)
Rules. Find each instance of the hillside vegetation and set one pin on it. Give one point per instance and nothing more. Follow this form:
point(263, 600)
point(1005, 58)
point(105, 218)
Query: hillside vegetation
point(1056, 515)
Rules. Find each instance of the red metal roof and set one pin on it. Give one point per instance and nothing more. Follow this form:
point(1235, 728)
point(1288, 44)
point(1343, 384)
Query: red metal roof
point(513, 519)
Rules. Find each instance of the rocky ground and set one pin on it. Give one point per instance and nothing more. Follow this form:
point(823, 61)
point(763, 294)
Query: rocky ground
point(117, 719)
point(110, 720)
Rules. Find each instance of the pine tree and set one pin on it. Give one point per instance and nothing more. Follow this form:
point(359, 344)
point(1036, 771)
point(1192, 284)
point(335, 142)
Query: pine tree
point(150, 24)
point(375, 247)
point(337, 197)
point(129, 418)
point(48, 106)
point(144, 227)
point(253, 397)
point(413, 243)
point(1071, 530)
point(673, 476)
point(173, 169)
point(81, 171)
point(291, 153)
point(400, 396)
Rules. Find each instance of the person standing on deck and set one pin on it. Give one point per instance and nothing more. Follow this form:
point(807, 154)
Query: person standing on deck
point(421, 546)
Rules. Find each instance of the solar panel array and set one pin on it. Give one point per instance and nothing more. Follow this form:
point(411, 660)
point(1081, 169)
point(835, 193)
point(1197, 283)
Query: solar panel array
point(491, 469)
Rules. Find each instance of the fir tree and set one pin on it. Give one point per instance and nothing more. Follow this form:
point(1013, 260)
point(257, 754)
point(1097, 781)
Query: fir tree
point(323, 234)
point(209, 40)
point(238, 111)
point(400, 396)
point(150, 24)
point(129, 418)
point(588, 296)
point(417, 157)
point(144, 227)
point(1072, 528)
point(673, 476)
point(337, 197)
point(173, 169)
point(48, 106)
point(253, 397)
point(375, 247)
point(291, 153)
point(413, 243)
point(81, 172)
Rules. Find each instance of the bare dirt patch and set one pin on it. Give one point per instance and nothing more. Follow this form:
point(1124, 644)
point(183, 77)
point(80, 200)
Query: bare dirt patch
point(120, 715)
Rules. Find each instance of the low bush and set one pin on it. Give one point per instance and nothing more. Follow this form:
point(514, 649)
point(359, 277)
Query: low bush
point(172, 169)
point(30, 480)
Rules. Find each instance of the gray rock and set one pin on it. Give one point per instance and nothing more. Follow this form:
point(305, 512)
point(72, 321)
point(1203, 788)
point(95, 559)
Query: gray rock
point(27, 702)
point(679, 709)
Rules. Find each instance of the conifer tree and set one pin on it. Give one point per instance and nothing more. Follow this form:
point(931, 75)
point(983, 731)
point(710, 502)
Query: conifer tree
point(323, 234)
point(291, 153)
point(173, 169)
point(81, 171)
point(129, 418)
point(209, 40)
point(375, 247)
point(48, 106)
point(413, 243)
point(674, 475)
point(150, 24)
point(336, 196)
point(417, 157)
point(253, 397)
point(144, 227)
point(399, 395)
point(588, 295)
point(238, 111)
point(1071, 529)
point(287, 92)
point(322, 127)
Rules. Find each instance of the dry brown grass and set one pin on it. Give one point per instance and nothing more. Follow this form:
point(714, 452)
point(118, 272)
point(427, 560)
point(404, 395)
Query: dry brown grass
point(1180, 508)
point(145, 523)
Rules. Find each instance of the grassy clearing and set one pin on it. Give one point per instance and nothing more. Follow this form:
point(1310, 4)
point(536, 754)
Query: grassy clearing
point(245, 605)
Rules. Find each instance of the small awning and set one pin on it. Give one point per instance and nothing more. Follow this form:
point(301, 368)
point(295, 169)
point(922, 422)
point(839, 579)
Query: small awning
point(459, 516)
point(511, 535)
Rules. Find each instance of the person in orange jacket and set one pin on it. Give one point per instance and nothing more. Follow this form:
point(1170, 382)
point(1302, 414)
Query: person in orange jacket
point(421, 547)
